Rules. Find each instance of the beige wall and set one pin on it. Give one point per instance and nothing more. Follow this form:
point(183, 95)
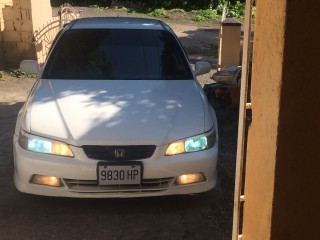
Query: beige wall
point(41, 13)
point(283, 158)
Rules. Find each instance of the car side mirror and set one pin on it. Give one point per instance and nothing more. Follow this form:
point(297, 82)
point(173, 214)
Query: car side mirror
point(30, 66)
point(202, 67)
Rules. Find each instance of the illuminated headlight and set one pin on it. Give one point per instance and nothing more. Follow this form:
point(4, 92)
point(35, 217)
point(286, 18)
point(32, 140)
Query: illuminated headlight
point(193, 144)
point(43, 145)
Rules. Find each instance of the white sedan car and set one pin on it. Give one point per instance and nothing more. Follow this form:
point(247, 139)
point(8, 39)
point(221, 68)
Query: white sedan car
point(117, 112)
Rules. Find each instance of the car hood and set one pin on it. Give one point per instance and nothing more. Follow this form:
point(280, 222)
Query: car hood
point(113, 112)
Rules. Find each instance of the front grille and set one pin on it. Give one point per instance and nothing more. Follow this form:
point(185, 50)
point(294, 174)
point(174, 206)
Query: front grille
point(133, 152)
point(91, 186)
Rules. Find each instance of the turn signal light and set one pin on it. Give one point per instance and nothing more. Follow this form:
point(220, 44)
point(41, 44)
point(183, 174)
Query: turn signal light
point(61, 149)
point(175, 148)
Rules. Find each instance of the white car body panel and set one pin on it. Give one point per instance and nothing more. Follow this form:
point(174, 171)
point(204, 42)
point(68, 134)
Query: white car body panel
point(89, 112)
point(82, 168)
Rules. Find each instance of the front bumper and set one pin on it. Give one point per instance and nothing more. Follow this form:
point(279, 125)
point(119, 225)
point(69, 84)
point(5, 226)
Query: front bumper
point(79, 174)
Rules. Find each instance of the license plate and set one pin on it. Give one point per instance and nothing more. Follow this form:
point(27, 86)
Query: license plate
point(119, 174)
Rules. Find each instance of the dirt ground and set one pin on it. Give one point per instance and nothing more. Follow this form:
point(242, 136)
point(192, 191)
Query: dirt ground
point(203, 216)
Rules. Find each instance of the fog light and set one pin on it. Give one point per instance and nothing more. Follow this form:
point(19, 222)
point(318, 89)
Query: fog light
point(46, 180)
point(190, 178)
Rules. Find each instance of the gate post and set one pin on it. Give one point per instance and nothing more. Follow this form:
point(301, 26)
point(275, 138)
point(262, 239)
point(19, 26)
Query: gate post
point(3, 3)
point(229, 47)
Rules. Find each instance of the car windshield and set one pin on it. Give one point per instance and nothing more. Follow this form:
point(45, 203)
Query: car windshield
point(124, 54)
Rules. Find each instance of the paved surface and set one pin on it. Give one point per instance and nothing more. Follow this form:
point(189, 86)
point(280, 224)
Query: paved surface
point(6, 139)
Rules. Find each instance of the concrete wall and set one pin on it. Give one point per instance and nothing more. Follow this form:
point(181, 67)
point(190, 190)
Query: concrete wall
point(20, 19)
point(283, 159)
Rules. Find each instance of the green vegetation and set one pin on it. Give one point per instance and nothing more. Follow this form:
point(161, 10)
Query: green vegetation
point(20, 74)
point(201, 10)
point(204, 15)
point(186, 5)
point(177, 10)
point(236, 11)
point(157, 12)
point(253, 12)
point(122, 9)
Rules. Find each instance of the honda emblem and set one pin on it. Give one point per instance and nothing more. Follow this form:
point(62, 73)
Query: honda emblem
point(119, 153)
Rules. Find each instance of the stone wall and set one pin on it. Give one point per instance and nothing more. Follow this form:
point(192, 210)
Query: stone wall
point(3, 3)
point(19, 20)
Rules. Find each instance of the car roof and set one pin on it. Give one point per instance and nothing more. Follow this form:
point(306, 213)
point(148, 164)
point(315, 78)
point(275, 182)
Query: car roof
point(117, 23)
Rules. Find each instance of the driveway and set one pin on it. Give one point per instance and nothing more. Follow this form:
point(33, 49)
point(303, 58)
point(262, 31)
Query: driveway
point(203, 216)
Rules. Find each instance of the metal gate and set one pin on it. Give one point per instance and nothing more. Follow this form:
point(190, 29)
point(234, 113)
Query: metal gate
point(44, 37)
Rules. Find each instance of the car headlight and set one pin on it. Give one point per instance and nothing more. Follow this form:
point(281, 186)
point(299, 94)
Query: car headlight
point(44, 145)
point(193, 144)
